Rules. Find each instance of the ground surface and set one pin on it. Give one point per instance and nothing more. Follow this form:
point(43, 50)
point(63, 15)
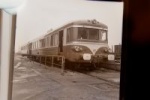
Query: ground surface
point(33, 81)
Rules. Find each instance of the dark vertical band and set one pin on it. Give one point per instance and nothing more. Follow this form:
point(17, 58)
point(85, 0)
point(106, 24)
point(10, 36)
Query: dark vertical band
point(12, 54)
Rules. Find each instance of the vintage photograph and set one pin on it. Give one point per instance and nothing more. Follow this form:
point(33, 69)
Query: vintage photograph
point(67, 50)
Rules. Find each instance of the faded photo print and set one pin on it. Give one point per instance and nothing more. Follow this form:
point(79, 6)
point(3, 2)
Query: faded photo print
point(67, 50)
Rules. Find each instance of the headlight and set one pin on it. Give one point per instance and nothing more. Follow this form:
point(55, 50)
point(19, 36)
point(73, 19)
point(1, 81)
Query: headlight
point(109, 50)
point(106, 50)
point(77, 48)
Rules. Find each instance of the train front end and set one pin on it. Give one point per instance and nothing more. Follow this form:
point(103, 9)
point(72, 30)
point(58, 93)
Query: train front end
point(87, 42)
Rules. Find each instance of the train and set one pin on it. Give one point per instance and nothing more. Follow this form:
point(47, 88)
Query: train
point(80, 42)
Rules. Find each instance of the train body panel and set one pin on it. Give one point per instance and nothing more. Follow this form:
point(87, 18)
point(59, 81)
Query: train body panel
point(71, 52)
point(45, 51)
point(75, 52)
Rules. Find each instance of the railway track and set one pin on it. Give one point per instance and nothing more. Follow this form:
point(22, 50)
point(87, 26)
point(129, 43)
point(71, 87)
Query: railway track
point(96, 73)
point(104, 74)
point(108, 81)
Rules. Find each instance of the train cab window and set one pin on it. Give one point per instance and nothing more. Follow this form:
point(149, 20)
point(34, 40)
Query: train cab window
point(94, 34)
point(82, 33)
point(88, 33)
point(37, 44)
point(103, 35)
point(71, 32)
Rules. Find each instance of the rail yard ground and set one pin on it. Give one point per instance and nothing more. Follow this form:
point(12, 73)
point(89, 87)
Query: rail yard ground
point(33, 81)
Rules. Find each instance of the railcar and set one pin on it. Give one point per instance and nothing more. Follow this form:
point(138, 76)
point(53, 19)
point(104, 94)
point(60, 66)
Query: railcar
point(82, 41)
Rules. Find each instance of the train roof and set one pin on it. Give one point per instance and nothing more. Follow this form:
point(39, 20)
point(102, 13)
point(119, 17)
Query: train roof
point(88, 23)
point(93, 23)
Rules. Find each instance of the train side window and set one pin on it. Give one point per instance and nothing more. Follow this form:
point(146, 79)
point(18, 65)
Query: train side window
point(43, 42)
point(40, 43)
point(47, 42)
point(56, 40)
point(52, 40)
point(35, 44)
point(68, 34)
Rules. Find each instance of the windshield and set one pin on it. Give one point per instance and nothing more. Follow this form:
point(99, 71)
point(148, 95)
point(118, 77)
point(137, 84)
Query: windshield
point(91, 34)
point(86, 34)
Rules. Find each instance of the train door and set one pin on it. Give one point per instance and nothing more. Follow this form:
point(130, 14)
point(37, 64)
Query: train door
point(60, 48)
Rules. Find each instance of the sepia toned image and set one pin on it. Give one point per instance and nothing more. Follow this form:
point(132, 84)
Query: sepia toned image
point(67, 50)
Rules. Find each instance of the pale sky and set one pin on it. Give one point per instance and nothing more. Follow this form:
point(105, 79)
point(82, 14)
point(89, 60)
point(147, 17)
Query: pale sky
point(36, 17)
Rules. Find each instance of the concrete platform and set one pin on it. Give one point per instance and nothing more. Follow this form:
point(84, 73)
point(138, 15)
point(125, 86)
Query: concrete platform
point(33, 81)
